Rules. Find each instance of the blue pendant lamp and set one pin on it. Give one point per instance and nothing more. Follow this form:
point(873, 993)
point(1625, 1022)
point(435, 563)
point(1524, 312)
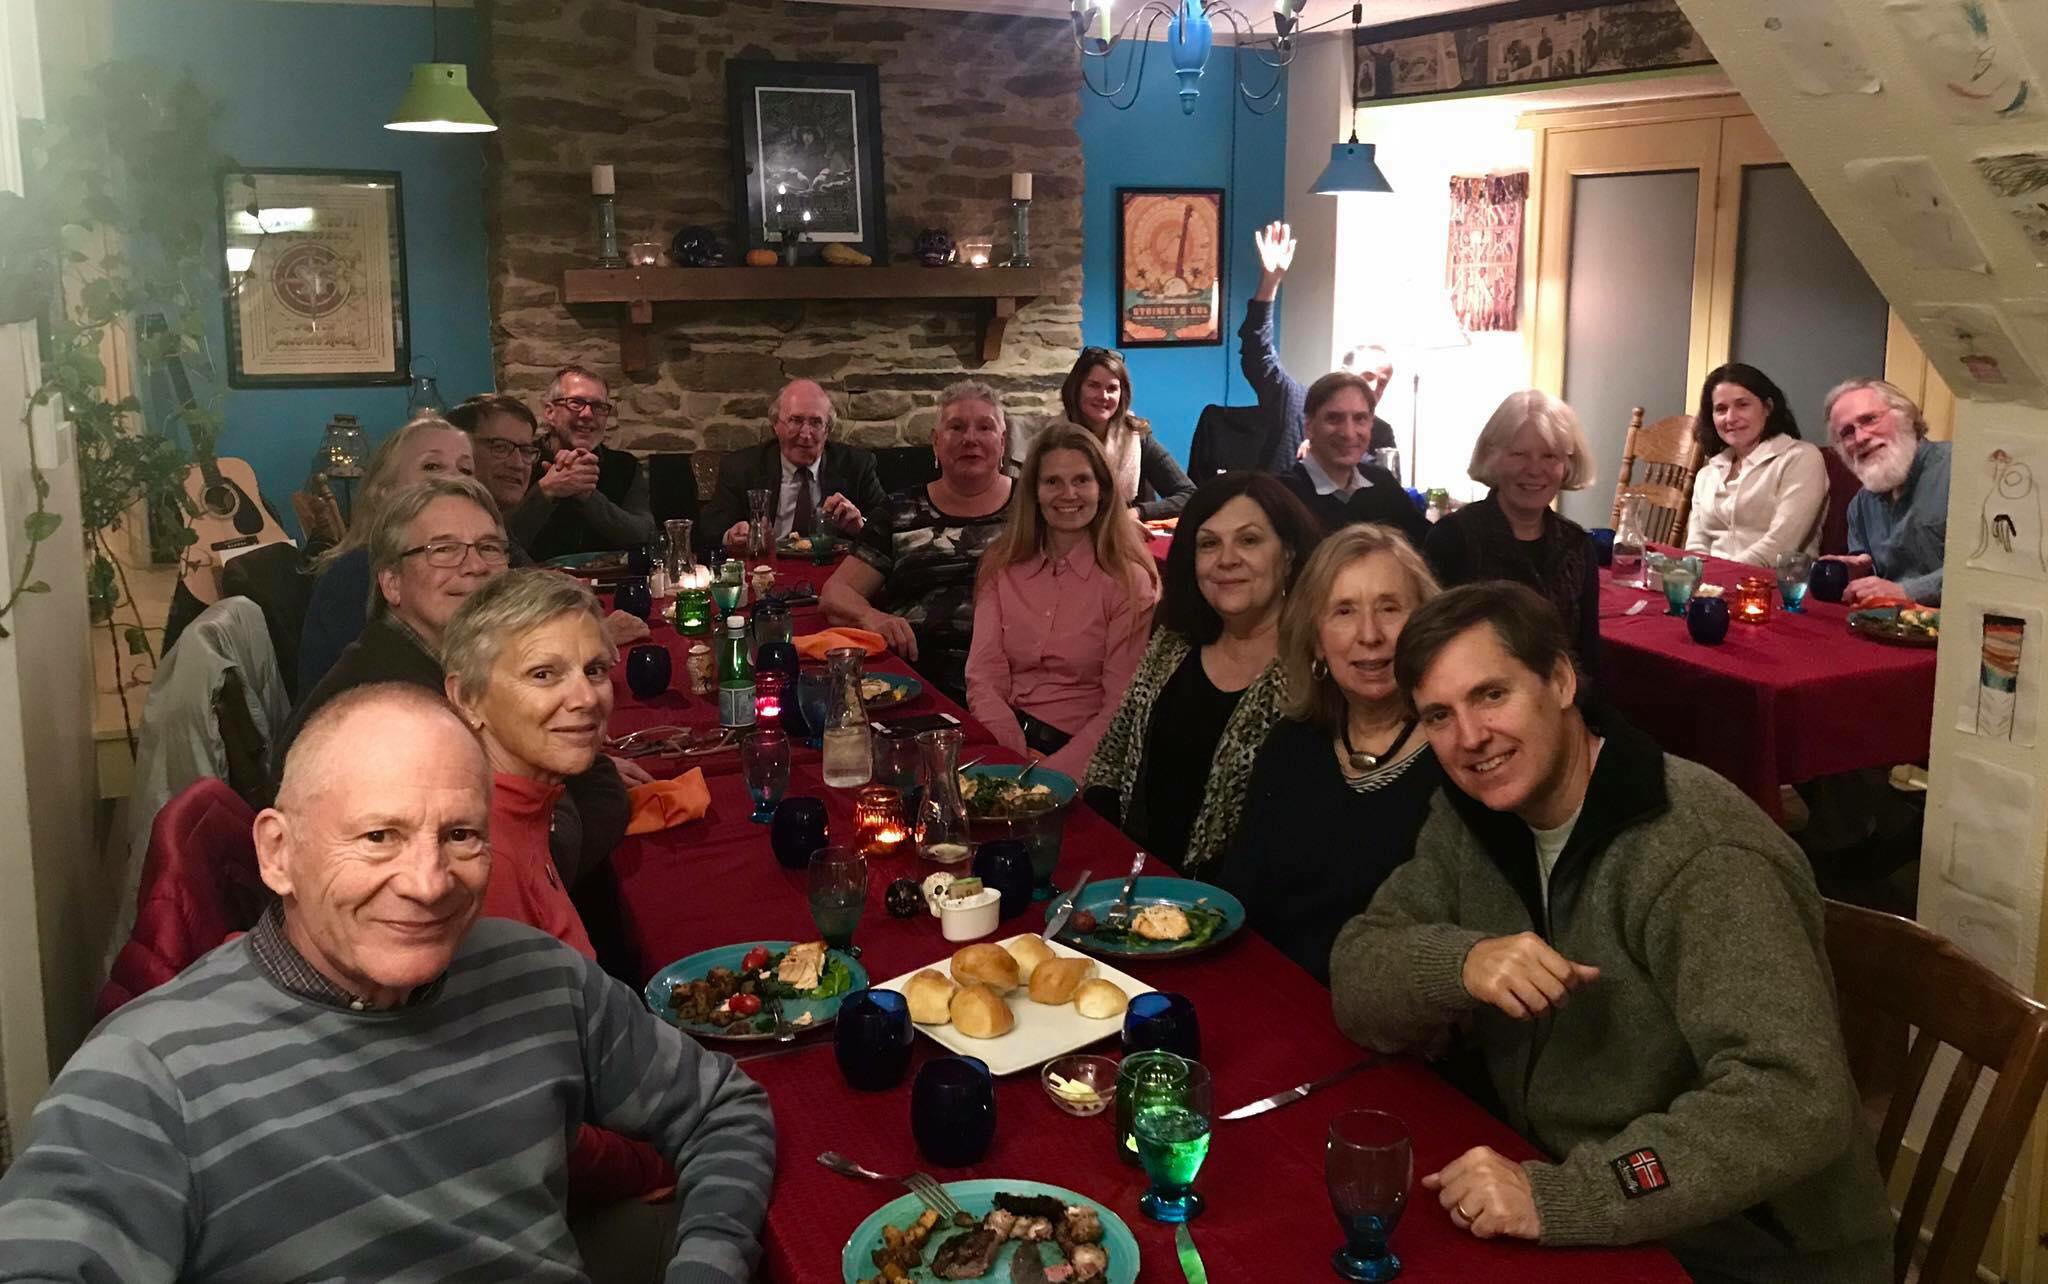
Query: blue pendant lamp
point(1351, 169)
point(1189, 36)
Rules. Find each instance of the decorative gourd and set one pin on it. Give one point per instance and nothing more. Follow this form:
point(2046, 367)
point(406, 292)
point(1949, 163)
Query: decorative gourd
point(839, 254)
point(761, 258)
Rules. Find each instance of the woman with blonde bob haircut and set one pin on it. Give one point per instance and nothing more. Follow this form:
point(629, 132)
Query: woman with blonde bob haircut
point(1342, 784)
point(1531, 449)
point(1062, 606)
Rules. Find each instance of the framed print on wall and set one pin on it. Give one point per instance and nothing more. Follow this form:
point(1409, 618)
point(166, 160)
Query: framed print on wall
point(315, 278)
point(807, 140)
point(1169, 267)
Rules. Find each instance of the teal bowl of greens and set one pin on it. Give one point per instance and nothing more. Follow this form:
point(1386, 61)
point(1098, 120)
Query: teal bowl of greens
point(706, 994)
point(1033, 812)
point(1170, 918)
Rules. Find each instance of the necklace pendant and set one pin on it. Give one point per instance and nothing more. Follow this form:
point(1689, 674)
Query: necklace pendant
point(1364, 761)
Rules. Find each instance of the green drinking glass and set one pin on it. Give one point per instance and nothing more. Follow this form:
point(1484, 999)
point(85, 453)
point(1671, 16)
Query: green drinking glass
point(1679, 582)
point(1173, 1132)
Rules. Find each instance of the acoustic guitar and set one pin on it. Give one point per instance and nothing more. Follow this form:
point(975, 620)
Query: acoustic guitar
point(224, 504)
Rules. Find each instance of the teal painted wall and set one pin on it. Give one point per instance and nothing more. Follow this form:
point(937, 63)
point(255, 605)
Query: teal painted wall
point(1154, 145)
point(310, 86)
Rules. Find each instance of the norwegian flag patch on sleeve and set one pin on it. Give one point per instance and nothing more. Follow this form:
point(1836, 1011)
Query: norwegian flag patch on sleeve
point(1641, 1173)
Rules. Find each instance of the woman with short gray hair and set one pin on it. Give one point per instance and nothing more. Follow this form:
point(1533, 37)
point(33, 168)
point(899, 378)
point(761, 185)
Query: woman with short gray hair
point(911, 577)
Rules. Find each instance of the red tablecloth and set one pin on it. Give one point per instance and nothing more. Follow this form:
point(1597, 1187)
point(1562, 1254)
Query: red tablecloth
point(1265, 1025)
point(1773, 705)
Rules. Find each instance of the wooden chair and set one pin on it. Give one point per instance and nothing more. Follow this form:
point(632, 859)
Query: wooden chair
point(1670, 455)
point(1894, 977)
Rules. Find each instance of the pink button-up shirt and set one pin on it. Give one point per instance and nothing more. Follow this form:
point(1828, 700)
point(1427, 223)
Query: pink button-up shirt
point(1060, 641)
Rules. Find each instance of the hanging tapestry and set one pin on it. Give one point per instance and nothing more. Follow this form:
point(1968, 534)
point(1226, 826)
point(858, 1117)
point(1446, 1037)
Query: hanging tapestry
point(1483, 270)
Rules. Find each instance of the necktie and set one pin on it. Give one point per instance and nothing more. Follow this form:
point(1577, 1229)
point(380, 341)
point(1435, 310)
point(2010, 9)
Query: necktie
point(805, 514)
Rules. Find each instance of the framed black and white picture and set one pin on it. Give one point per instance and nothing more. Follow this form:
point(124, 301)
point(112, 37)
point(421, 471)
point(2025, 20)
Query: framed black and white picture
point(807, 154)
point(314, 276)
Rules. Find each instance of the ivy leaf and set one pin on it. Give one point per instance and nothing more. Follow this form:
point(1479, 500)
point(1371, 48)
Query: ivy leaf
point(41, 526)
point(138, 641)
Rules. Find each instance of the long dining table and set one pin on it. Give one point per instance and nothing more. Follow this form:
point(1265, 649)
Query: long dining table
point(1265, 1025)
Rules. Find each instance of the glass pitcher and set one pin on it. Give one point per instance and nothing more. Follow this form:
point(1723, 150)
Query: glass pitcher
point(681, 561)
point(760, 526)
point(848, 744)
point(1629, 544)
point(942, 829)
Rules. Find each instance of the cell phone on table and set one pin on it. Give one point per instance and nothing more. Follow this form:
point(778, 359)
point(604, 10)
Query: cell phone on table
point(922, 722)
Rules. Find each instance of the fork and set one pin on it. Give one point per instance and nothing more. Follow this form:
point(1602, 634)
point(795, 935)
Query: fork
point(784, 1031)
point(922, 1185)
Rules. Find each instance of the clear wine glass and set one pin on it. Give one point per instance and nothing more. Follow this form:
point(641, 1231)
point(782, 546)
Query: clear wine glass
point(1369, 1166)
point(764, 758)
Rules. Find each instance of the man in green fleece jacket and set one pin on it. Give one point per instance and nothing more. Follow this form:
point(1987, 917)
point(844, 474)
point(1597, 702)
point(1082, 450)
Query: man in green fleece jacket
point(1636, 952)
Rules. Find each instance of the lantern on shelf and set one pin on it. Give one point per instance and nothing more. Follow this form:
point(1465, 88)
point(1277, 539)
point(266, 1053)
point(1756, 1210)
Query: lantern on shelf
point(1751, 603)
point(880, 830)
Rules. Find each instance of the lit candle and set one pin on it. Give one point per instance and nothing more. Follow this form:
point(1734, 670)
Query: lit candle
point(1103, 13)
point(1020, 187)
point(601, 183)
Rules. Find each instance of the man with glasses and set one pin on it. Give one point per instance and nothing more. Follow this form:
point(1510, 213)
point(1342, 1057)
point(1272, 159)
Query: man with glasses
point(810, 477)
point(1898, 523)
point(592, 498)
point(505, 436)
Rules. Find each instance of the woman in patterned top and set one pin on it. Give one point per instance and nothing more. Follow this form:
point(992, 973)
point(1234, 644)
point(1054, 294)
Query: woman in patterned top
point(1172, 767)
point(1343, 783)
point(911, 578)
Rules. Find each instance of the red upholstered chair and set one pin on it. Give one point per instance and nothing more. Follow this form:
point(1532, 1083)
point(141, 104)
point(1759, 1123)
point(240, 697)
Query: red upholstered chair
point(1842, 487)
point(199, 887)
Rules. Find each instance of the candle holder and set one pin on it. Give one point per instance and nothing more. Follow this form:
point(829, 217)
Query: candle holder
point(1020, 234)
point(693, 610)
point(605, 206)
point(880, 829)
point(1751, 601)
point(977, 250)
point(771, 696)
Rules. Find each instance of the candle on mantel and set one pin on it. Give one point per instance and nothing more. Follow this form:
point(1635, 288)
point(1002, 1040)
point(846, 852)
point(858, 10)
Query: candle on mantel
point(601, 182)
point(1104, 32)
point(1020, 187)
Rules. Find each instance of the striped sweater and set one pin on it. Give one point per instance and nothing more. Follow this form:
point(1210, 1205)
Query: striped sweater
point(222, 1128)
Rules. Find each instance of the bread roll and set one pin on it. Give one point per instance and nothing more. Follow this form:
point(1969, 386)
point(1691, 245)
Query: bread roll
point(1097, 998)
point(1029, 951)
point(931, 998)
point(1056, 979)
point(986, 964)
point(980, 1013)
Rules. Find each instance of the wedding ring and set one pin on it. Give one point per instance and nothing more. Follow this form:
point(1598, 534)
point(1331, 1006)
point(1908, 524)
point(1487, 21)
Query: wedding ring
point(1460, 1210)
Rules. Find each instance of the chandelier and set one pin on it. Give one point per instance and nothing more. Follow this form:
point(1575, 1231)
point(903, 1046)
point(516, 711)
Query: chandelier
point(1190, 32)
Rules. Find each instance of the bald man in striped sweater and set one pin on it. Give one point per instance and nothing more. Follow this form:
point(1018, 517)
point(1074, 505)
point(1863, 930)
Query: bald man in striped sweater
point(373, 1084)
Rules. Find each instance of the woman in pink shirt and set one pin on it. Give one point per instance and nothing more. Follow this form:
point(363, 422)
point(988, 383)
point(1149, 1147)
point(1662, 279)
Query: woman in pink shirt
point(1062, 608)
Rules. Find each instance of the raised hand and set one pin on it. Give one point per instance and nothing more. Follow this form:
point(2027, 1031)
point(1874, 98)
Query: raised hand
point(1523, 976)
point(1276, 247)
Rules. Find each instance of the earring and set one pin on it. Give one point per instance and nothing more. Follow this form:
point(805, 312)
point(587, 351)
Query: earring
point(1318, 668)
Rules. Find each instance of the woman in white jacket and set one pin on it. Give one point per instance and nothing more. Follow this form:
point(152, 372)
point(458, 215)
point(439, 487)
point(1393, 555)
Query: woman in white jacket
point(1762, 492)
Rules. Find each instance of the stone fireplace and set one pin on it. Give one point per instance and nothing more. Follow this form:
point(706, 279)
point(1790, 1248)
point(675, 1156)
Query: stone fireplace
point(640, 85)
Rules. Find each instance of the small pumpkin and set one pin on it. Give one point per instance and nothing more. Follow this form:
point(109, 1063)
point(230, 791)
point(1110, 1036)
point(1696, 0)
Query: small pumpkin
point(761, 258)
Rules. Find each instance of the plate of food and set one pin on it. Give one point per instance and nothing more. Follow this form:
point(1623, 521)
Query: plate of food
point(1017, 1003)
point(1001, 1220)
point(821, 548)
point(1898, 625)
point(887, 690)
point(1170, 918)
point(726, 993)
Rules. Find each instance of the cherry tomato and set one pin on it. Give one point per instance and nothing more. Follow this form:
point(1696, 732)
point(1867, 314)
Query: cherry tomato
point(756, 959)
point(745, 1005)
point(1081, 923)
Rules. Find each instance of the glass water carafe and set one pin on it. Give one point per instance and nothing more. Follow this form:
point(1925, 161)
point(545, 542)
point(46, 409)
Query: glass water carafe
point(681, 561)
point(942, 828)
point(847, 740)
point(1630, 544)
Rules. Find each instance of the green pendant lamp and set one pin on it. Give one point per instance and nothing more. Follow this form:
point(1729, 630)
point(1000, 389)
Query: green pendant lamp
point(438, 101)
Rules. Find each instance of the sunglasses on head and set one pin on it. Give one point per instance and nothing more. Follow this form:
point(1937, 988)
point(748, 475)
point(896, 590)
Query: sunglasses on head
point(1091, 353)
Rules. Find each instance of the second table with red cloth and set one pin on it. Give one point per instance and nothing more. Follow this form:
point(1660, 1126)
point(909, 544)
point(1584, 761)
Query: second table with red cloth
point(1265, 1024)
point(1776, 703)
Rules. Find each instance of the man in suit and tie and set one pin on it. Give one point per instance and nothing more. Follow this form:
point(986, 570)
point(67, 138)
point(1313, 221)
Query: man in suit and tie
point(808, 476)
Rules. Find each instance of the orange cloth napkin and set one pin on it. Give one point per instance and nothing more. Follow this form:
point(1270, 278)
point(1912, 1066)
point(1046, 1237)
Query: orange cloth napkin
point(667, 803)
point(812, 646)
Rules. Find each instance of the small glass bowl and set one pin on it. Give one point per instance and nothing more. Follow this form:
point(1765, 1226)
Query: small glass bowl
point(1094, 1076)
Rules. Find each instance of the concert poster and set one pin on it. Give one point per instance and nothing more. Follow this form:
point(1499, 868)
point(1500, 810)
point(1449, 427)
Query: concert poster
point(1169, 280)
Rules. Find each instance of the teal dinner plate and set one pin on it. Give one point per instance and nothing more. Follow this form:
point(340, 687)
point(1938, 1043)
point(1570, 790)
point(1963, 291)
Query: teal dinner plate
point(1064, 787)
point(694, 967)
point(976, 1198)
point(579, 561)
point(902, 690)
point(819, 548)
point(1881, 624)
point(1098, 896)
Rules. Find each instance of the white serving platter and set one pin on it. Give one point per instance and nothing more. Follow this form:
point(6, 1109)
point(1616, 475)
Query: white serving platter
point(1043, 1030)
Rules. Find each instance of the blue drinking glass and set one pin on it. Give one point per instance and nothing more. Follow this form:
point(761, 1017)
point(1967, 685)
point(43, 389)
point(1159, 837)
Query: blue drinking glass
point(764, 761)
point(797, 831)
point(779, 657)
point(1679, 582)
point(1162, 1022)
point(648, 670)
point(814, 701)
point(1603, 544)
point(953, 1110)
point(1369, 1167)
point(1706, 618)
point(1005, 865)
point(632, 598)
point(1793, 569)
point(872, 1039)
point(1828, 580)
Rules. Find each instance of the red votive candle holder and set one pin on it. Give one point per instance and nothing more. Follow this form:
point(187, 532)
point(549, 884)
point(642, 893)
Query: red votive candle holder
point(1751, 601)
point(770, 690)
point(880, 830)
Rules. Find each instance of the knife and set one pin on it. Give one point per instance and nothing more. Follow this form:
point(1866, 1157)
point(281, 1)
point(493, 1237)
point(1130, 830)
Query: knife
point(1287, 1096)
point(1190, 1257)
point(1065, 910)
point(1120, 908)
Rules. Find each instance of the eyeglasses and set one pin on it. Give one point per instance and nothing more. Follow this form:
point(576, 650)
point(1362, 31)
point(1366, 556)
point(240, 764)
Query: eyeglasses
point(499, 448)
point(584, 405)
point(1090, 354)
point(450, 553)
point(812, 423)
